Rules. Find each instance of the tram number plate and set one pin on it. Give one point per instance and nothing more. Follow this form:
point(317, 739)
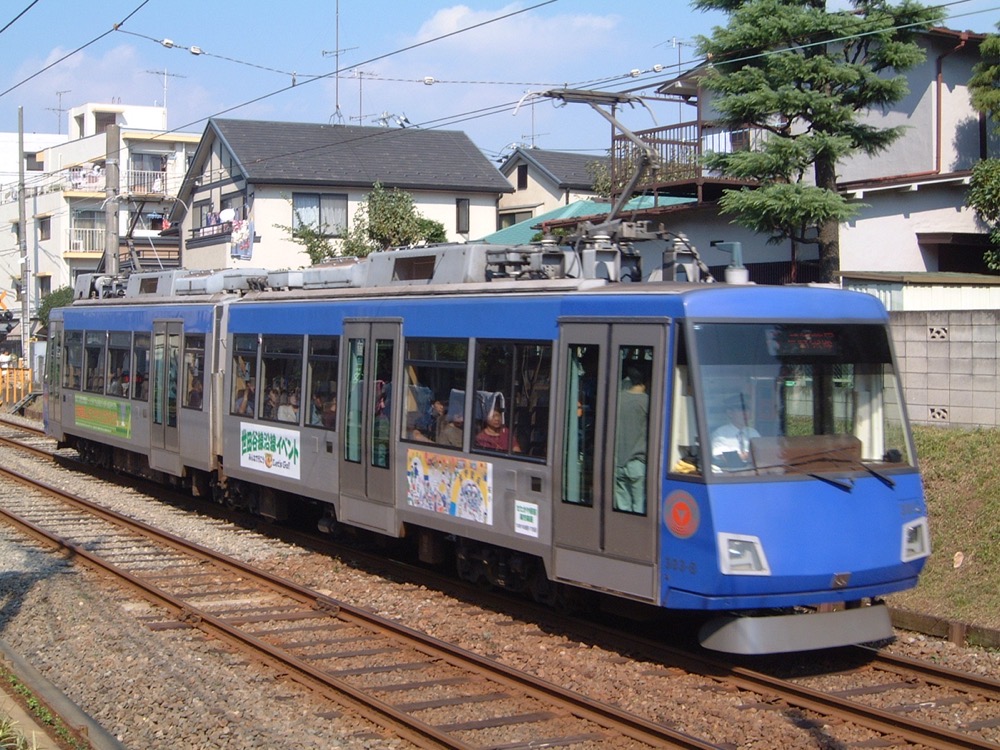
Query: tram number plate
point(681, 566)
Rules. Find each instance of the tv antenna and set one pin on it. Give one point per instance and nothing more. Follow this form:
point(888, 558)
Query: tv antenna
point(336, 56)
point(59, 110)
point(165, 75)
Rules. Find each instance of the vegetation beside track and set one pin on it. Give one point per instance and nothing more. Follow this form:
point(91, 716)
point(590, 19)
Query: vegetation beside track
point(961, 470)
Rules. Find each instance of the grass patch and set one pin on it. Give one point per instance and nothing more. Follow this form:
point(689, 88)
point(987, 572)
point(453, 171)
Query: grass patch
point(961, 472)
point(22, 693)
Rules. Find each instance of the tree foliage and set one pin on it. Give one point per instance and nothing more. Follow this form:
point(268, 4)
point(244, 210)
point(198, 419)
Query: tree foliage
point(387, 218)
point(60, 297)
point(984, 188)
point(802, 78)
point(984, 86)
point(984, 199)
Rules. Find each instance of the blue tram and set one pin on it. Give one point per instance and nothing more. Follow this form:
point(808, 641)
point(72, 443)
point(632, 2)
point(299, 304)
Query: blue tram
point(735, 450)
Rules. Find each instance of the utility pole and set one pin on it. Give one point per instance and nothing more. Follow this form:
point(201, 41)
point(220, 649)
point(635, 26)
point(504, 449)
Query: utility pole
point(22, 234)
point(111, 186)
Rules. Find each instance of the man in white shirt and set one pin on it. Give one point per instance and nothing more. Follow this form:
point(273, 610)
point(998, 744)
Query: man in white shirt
point(731, 441)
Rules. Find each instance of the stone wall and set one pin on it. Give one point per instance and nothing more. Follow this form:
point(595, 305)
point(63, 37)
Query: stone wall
point(948, 362)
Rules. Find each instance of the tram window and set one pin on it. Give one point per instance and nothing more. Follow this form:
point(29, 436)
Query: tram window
point(632, 428)
point(434, 398)
point(74, 360)
point(322, 368)
point(579, 431)
point(244, 395)
point(354, 401)
point(382, 402)
point(511, 407)
point(140, 367)
point(119, 351)
point(94, 357)
point(281, 373)
point(685, 446)
point(194, 371)
point(53, 360)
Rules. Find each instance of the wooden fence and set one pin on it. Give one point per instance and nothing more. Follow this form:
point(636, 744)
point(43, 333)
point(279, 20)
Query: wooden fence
point(15, 385)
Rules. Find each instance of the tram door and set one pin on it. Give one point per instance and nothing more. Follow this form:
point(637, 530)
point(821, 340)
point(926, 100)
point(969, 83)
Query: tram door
point(606, 508)
point(164, 394)
point(368, 422)
point(53, 379)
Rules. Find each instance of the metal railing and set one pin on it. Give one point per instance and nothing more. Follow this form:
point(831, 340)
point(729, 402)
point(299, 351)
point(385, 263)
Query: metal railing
point(145, 181)
point(680, 149)
point(86, 240)
point(15, 384)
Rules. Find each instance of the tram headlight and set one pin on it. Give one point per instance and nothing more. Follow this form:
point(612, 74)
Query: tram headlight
point(742, 555)
point(916, 540)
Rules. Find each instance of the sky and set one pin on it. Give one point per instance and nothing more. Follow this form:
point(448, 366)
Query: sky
point(475, 66)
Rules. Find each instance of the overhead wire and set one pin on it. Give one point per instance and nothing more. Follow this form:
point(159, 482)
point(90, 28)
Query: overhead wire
point(82, 47)
point(14, 20)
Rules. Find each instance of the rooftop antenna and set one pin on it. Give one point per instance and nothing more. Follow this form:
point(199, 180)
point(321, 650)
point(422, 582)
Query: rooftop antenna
point(165, 74)
point(336, 56)
point(59, 110)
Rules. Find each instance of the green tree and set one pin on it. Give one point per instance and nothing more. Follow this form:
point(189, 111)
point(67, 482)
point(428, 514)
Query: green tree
point(60, 297)
point(984, 188)
point(804, 77)
point(388, 218)
point(315, 240)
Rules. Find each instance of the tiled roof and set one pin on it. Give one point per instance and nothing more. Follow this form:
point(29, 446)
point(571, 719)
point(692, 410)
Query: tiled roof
point(354, 156)
point(568, 170)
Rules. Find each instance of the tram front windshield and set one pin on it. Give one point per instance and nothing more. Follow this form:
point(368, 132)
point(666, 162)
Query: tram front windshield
point(790, 398)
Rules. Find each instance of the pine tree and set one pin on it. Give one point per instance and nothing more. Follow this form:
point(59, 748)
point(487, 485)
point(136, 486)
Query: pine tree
point(805, 77)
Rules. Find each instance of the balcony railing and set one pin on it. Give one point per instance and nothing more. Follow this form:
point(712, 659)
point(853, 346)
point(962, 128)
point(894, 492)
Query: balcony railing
point(145, 181)
point(86, 240)
point(680, 149)
point(224, 228)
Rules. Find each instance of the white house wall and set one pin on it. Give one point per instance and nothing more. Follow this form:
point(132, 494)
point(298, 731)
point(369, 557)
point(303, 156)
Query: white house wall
point(883, 237)
point(916, 152)
point(272, 208)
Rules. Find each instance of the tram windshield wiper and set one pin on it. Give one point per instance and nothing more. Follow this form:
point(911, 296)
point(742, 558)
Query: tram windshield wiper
point(844, 483)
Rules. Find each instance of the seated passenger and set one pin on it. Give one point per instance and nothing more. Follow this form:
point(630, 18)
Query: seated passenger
point(429, 425)
point(495, 435)
point(288, 409)
point(194, 397)
point(329, 417)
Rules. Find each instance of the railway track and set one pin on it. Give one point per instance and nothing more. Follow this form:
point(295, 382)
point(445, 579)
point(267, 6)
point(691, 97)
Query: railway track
point(896, 702)
point(417, 687)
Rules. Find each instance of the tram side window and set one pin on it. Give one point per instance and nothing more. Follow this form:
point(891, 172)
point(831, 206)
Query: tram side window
point(434, 398)
point(119, 351)
point(74, 360)
point(632, 428)
point(579, 434)
point(511, 407)
point(140, 367)
point(194, 371)
point(53, 360)
point(281, 372)
point(244, 396)
point(685, 445)
point(322, 368)
point(94, 354)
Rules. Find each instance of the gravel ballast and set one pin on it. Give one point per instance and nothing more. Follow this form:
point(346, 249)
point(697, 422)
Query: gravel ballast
point(178, 688)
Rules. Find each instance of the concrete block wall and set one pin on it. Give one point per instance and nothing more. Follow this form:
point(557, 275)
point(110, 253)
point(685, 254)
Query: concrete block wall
point(948, 363)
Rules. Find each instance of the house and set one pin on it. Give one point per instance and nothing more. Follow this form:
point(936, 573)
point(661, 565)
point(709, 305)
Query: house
point(251, 180)
point(66, 195)
point(912, 215)
point(544, 180)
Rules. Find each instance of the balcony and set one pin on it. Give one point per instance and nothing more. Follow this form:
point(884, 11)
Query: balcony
point(680, 149)
point(86, 240)
point(145, 182)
